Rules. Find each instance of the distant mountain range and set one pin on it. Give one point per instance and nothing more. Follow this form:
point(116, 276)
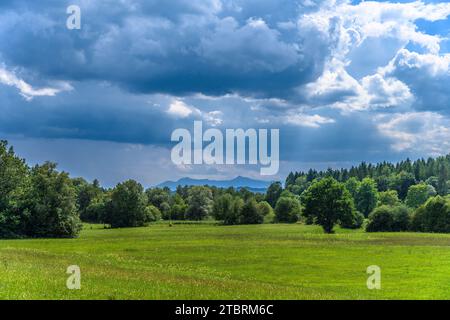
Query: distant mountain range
point(238, 183)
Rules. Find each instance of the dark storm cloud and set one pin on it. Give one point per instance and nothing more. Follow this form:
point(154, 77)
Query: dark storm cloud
point(177, 48)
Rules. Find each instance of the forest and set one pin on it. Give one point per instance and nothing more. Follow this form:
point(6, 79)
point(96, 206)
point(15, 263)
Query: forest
point(42, 202)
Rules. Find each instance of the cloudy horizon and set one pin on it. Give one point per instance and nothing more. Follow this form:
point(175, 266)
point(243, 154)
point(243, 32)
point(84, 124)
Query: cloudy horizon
point(344, 81)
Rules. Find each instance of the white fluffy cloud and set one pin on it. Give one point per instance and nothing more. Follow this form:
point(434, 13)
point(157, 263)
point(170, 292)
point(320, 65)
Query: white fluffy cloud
point(180, 109)
point(422, 132)
point(375, 19)
point(427, 76)
point(25, 89)
point(356, 28)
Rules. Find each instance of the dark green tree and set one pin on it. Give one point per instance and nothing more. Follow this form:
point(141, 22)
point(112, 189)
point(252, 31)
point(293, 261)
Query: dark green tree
point(128, 206)
point(273, 193)
point(388, 198)
point(266, 211)
point(14, 180)
point(223, 206)
point(389, 218)
point(352, 186)
point(418, 194)
point(178, 207)
point(200, 203)
point(329, 202)
point(433, 216)
point(50, 204)
point(250, 214)
point(287, 210)
point(366, 196)
point(401, 183)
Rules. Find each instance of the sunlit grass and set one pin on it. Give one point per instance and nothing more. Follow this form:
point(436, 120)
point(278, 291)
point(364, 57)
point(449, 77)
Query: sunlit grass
point(207, 261)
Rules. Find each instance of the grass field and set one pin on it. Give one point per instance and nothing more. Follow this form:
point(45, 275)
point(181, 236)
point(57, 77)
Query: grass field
point(216, 262)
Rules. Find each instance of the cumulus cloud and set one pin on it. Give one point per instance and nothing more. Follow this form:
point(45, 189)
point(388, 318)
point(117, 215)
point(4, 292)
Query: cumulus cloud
point(180, 109)
point(427, 76)
point(374, 19)
point(422, 132)
point(380, 31)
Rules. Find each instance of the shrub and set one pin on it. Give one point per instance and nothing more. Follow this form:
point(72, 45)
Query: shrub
point(95, 212)
point(389, 218)
point(178, 207)
point(402, 218)
point(232, 216)
point(177, 211)
point(381, 219)
point(250, 214)
point(287, 210)
point(153, 213)
point(266, 211)
point(222, 206)
point(354, 221)
point(433, 216)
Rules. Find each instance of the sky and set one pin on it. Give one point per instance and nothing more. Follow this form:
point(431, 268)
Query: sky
point(344, 82)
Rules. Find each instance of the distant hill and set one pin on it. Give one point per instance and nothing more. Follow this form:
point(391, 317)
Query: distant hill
point(238, 183)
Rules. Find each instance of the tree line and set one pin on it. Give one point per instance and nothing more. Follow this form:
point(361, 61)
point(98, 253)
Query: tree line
point(40, 201)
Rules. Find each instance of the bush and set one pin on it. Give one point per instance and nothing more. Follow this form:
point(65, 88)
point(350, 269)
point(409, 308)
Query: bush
point(178, 207)
point(222, 206)
point(381, 219)
point(264, 208)
point(270, 218)
point(287, 210)
point(95, 212)
point(402, 218)
point(433, 216)
point(153, 213)
point(266, 211)
point(389, 218)
point(232, 216)
point(353, 222)
point(177, 211)
point(250, 214)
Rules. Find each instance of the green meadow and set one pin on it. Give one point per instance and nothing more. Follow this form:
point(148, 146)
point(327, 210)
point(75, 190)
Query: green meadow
point(208, 261)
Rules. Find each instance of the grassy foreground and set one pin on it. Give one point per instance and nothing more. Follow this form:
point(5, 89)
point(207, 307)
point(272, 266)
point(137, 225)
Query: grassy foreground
point(218, 262)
